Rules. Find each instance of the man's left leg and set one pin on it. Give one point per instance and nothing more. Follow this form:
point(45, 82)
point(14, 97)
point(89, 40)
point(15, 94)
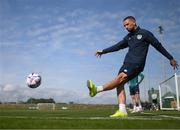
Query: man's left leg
point(121, 95)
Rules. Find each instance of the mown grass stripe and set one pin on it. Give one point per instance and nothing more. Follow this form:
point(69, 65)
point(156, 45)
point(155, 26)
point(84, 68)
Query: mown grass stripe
point(158, 117)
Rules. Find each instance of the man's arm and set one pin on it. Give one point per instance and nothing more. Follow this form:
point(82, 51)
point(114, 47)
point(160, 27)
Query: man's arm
point(120, 45)
point(158, 46)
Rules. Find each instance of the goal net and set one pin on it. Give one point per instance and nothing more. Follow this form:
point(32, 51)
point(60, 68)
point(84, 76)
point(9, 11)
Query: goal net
point(46, 106)
point(169, 93)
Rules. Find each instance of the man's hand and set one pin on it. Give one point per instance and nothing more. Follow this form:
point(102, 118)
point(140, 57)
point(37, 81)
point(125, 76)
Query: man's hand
point(98, 53)
point(174, 64)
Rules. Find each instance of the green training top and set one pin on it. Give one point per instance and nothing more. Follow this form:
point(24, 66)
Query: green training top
point(135, 81)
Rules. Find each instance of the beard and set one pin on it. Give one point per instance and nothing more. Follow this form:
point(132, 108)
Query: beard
point(130, 30)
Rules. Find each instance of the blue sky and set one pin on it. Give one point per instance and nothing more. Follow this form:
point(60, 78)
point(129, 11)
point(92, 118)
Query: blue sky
point(58, 39)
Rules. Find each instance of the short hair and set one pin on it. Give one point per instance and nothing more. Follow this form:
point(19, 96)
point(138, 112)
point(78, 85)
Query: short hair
point(129, 17)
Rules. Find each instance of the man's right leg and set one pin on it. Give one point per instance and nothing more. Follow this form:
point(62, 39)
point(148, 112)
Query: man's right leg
point(117, 81)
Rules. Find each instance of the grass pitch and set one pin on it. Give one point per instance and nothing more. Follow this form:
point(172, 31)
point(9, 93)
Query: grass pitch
point(85, 117)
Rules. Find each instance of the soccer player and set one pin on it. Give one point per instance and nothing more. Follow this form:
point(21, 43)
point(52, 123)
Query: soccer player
point(154, 96)
point(138, 41)
point(134, 92)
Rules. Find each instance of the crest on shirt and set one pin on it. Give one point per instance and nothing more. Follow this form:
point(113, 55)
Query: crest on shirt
point(139, 36)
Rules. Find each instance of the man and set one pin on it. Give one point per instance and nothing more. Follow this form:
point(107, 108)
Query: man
point(134, 92)
point(138, 41)
point(154, 97)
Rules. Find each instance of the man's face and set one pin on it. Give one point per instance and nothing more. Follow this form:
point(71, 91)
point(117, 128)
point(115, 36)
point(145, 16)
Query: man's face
point(130, 25)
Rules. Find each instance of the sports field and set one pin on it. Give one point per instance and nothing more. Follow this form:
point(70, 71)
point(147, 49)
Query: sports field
point(85, 117)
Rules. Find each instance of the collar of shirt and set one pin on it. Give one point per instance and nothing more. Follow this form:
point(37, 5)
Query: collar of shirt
point(137, 29)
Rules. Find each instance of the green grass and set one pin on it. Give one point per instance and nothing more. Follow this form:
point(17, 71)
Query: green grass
point(86, 117)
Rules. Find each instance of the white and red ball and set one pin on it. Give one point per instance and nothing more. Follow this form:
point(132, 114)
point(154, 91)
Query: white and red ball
point(33, 80)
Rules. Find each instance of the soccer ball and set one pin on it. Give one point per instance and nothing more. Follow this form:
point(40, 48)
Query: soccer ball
point(33, 80)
